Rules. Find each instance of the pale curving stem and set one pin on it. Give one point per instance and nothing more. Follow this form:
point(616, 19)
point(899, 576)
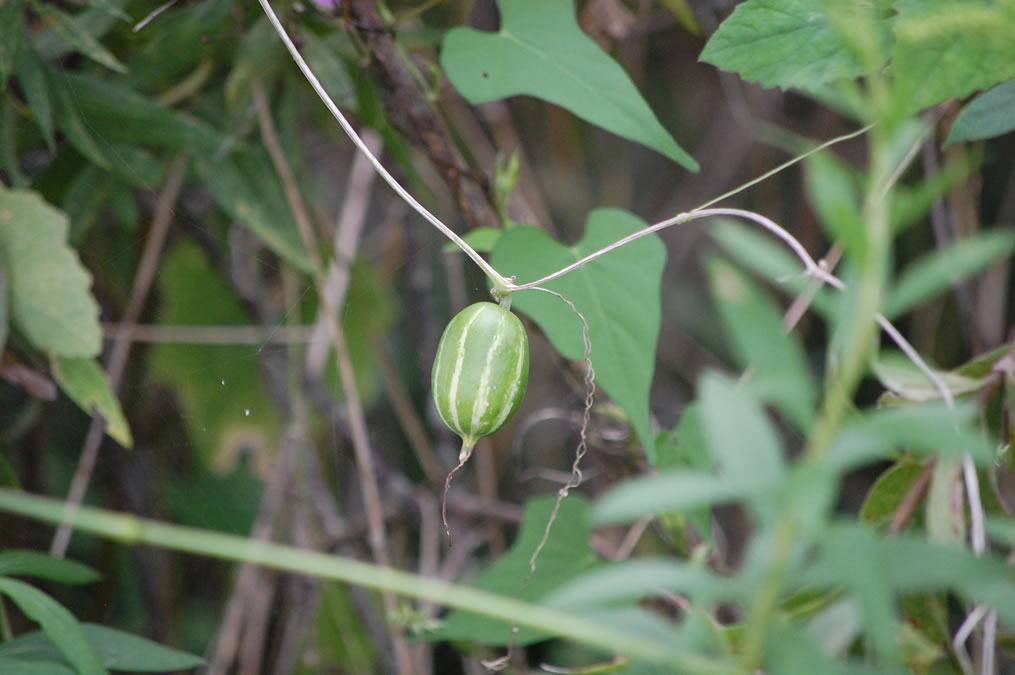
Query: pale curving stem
point(499, 281)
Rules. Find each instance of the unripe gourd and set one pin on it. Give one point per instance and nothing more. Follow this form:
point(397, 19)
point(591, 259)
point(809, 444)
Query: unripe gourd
point(480, 372)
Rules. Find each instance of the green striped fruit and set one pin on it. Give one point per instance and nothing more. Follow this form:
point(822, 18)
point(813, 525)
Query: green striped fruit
point(480, 372)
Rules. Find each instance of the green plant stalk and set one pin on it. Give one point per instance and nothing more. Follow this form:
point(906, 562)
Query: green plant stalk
point(131, 531)
point(843, 383)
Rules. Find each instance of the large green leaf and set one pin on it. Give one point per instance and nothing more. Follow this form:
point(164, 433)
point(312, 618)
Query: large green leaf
point(565, 555)
point(57, 623)
point(21, 562)
point(116, 650)
point(618, 294)
point(540, 51)
point(951, 48)
point(988, 115)
point(246, 186)
point(936, 272)
point(85, 382)
point(50, 298)
point(780, 372)
point(790, 43)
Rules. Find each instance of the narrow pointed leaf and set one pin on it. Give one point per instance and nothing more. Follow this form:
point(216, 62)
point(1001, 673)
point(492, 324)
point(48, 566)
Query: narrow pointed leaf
point(950, 49)
point(755, 329)
point(57, 623)
point(936, 272)
point(988, 115)
point(246, 186)
point(85, 382)
point(11, 36)
point(117, 650)
point(740, 437)
point(32, 77)
point(77, 36)
point(18, 562)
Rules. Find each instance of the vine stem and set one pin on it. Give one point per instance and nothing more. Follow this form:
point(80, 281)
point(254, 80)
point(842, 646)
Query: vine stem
point(574, 480)
point(583, 443)
point(812, 268)
point(500, 283)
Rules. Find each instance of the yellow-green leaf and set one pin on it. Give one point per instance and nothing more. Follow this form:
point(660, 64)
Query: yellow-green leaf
point(85, 382)
point(49, 288)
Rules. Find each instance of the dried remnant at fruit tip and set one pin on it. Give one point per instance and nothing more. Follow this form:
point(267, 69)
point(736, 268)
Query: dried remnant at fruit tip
point(479, 375)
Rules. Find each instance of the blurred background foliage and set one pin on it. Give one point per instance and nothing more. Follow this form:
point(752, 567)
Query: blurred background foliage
point(98, 107)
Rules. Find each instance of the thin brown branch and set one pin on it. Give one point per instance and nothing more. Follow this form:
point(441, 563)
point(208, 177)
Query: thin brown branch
point(803, 301)
point(230, 635)
point(209, 335)
point(361, 444)
point(429, 565)
point(413, 115)
point(355, 199)
point(632, 538)
point(121, 345)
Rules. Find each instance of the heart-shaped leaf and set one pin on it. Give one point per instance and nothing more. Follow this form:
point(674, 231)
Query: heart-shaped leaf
point(618, 294)
point(540, 51)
